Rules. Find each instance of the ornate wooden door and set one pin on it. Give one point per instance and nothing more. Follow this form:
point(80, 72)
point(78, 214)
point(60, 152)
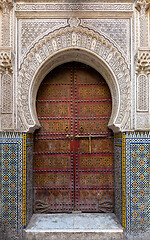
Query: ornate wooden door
point(73, 149)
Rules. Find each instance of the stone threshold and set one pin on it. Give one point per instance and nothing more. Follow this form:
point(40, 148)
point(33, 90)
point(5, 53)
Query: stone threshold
point(83, 226)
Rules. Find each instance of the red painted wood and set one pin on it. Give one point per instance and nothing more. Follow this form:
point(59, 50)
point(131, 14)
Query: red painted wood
point(73, 100)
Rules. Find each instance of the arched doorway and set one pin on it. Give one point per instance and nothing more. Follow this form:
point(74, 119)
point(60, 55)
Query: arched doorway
point(73, 149)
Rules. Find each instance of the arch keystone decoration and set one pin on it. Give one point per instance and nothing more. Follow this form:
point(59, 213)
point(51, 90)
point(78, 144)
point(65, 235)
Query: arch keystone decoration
point(74, 44)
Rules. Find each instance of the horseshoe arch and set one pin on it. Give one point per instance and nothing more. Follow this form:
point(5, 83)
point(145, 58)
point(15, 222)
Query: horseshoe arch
point(74, 44)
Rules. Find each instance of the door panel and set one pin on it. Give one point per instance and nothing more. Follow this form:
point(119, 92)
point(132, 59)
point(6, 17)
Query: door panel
point(92, 92)
point(61, 91)
point(96, 109)
point(94, 177)
point(73, 149)
point(53, 110)
point(102, 161)
point(53, 157)
point(93, 126)
point(42, 162)
point(51, 146)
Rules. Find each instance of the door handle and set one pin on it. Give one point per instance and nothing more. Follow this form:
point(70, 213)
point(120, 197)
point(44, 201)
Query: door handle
point(86, 136)
point(92, 136)
point(90, 139)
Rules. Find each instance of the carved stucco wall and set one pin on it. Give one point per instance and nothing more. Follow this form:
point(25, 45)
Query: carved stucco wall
point(141, 81)
point(30, 31)
point(108, 35)
point(6, 69)
point(115, 27)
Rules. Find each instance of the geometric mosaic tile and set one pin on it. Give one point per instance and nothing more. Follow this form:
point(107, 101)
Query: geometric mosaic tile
point(9, 171)
point(139, 189)
point(13, 182)
point(29, 171)
point(118, 175)
point(135, 186)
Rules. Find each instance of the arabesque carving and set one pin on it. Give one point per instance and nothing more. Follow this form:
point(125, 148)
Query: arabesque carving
point(142, 81)
point(7, 98)
point(116, 29)
point(6, 91)
point(31, 31)
point(142, 93)
point(142, 6)
point(74, 22)
point(73, 38)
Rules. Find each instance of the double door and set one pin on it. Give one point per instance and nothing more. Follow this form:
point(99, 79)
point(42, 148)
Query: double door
point(73, 149)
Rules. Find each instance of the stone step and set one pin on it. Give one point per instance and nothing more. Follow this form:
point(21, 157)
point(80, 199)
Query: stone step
point(74, 226)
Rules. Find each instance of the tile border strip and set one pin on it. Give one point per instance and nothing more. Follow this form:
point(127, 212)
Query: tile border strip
point(123, 181)
point(24, 180)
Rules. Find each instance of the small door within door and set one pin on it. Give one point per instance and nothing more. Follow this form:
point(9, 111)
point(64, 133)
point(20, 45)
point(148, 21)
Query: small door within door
point(73, 149)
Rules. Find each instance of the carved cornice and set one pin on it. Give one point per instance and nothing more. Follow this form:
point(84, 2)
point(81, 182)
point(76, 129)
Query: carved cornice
point(80, 1)
point(6, 5)
point(143, 61)
point(5, 63)
point(75, 6)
